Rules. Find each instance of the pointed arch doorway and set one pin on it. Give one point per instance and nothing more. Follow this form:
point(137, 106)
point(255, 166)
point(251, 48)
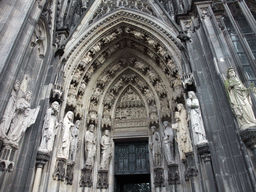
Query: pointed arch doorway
point(132, 166)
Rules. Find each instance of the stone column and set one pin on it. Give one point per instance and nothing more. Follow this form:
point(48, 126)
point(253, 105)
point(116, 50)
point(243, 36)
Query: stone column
point(203, 151)
point(41, 160)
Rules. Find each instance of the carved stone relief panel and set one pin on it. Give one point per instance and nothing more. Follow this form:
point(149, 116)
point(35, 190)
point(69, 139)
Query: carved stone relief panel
point(130, 114)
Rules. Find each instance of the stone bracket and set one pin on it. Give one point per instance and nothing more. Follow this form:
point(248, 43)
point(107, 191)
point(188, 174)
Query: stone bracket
point(86, 177)
point(159, 177)
point(173, 174)
point(102, 179)
point(70, 173)
point(59, 173)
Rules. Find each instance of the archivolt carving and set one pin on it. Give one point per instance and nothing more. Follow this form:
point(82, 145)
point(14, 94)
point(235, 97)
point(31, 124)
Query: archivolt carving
point(108, 6)
point(120, 17)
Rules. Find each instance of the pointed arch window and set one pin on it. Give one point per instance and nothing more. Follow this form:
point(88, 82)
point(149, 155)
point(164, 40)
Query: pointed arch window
point(241, 27)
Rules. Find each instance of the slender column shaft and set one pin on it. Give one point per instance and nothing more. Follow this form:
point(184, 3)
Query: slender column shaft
point(37, 179)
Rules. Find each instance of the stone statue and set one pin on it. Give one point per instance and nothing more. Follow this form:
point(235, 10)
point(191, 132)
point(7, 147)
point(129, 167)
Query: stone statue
point(90, 146)
point(66, 129)
point(49, 128)
point(156, 147)
point(9, 111)
point(168, 142)
point(196, 118)
point(74, 143)
point(23, 118)
point(106, 150)
point(240, 100)
point(183, 137)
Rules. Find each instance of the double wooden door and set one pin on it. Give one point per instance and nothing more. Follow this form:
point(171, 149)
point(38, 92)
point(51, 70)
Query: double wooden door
point(132, 169)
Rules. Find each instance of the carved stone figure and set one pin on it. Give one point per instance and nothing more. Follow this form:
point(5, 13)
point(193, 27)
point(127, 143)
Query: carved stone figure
point(74, 143)
point(77, 75)
point(168, 142)
point(49, 128)
point(151, 42)
point(90, 146)
point(137, 34)
point(96, 48)
point(240, 100)
point(9, 111)
point(87, 58)
point(196, 118)
point(23, 118)
point(106, 150)
point(84, 4)
point(156, 147)
point(183, 137)
point(65, 145)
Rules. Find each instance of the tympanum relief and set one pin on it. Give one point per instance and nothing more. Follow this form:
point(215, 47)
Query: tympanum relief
point(130, 113)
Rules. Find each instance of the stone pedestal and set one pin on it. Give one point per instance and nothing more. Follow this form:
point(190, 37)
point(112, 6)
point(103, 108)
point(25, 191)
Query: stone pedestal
point(59, 173)
point(248, 136)
point(70, 173)
point(159, 177)
point(191, 169)
point(6, 156)
point(86, 177)
point(102, 179)
point(173, 174)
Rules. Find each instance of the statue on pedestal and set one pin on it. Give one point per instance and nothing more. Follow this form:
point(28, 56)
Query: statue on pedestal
point(106, 150)
point(181, 126)
point(50, 128)
point(196, 118)
point(74, 143)
point(168, 142)
point(9, 111)
point(90, 146)
point(240, 100)
point(156, 147)
point(66, 136)
point(23, 118)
